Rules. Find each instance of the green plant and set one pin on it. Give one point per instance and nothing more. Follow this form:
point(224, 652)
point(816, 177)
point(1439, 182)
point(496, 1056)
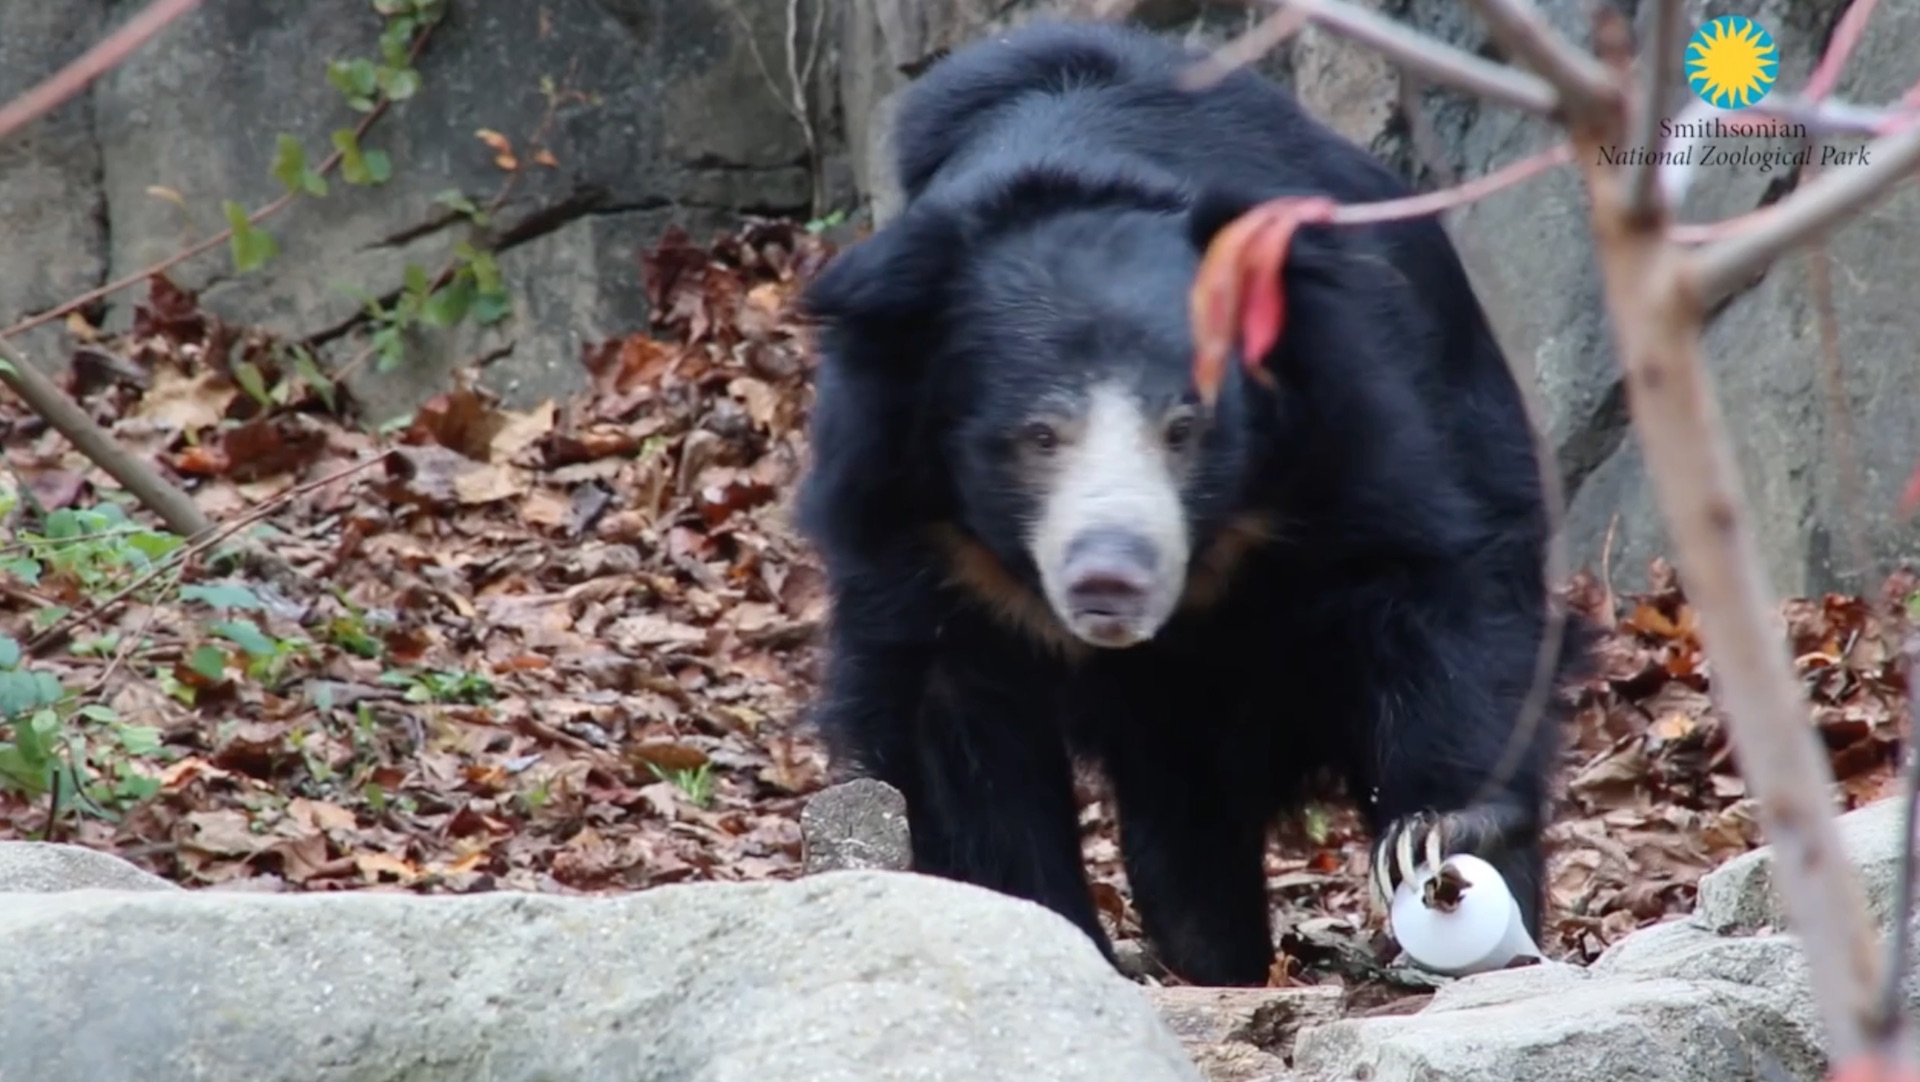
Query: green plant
point(432, 686)
point(53, 744)
point(94, 548)
point(696, 782)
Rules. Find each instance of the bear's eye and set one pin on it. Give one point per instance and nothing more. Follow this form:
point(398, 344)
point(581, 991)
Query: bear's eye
point(1040, 436)
point(1179, 432)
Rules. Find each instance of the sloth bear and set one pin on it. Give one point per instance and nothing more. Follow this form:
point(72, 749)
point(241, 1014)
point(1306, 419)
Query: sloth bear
point(1040, 546)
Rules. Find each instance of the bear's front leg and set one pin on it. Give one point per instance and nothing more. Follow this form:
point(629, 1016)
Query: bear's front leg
point(996, 806)
point(1442, 704)
point(1195, 848)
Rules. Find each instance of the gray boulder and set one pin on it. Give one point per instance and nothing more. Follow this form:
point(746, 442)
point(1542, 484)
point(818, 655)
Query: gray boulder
point(46, 868)
point(840, 976)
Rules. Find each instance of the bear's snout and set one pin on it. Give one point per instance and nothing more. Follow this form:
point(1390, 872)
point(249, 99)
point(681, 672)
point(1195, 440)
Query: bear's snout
point(1110, 583)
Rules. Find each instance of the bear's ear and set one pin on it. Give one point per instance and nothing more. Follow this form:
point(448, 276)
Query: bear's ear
point(890, 281)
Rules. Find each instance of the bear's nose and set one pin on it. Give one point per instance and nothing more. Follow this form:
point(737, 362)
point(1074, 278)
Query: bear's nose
point(1109, 573)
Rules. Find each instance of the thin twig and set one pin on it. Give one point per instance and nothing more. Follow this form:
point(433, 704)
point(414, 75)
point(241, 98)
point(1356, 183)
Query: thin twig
point(1586, 90)
point(1838, 195)
point(1431, 59)
point(90, 65)
point(1459, 195)
point(1656, 64)
point(1262, 38)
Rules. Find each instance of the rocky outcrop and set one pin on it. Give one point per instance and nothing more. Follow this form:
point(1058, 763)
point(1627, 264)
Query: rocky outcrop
point(836, 978)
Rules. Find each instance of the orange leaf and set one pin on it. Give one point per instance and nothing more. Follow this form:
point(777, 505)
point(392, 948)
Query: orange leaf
point(1238, 289)
point(501, 146)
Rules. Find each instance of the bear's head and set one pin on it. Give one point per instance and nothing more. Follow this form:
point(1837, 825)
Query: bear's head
point(1015, 373)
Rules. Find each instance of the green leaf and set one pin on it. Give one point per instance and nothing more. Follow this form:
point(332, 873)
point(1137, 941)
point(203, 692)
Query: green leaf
point(48, 685)
point(154, 544)
point(399, 83)
point(290, 167)
point(140, 739)
point(456, 200)
point(391, 347)
point(491, 308)
point(357, 79)
point(353, 164)
point(486, 273)
point(19, 693)
point(396, 41)
point(379, 166)
point(24, 568)
point(309, 371)
point(100, 712)
point(65, 525)
point(36, 738)
point(450, 305)
point(247, 636)
point(251, 246)
point(247, 375)
point(414, 279)
point(209, 661)
point(9, 652)
point(223, 595)
point(23, 775)
point(358, 165)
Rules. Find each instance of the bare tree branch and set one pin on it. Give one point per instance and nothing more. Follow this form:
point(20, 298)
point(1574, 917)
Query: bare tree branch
point(1656, 313)
point(1839, 194)
point(1459, 195)
point(1656, 66)
point(1265, 36)
point(1431, 59)
point(1656, 293)
point(174, 507)
point(1586, 89)
point(90, 65)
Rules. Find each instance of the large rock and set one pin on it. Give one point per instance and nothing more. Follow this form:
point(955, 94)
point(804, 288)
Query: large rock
point(843, 976)
point(46, 868)
point(1738, 898)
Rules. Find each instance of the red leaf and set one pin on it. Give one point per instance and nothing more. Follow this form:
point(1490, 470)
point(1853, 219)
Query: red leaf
point(1239, 289)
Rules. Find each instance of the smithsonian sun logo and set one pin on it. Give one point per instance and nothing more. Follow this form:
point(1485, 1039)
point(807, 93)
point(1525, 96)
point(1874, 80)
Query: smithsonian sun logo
point(1732, 62)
